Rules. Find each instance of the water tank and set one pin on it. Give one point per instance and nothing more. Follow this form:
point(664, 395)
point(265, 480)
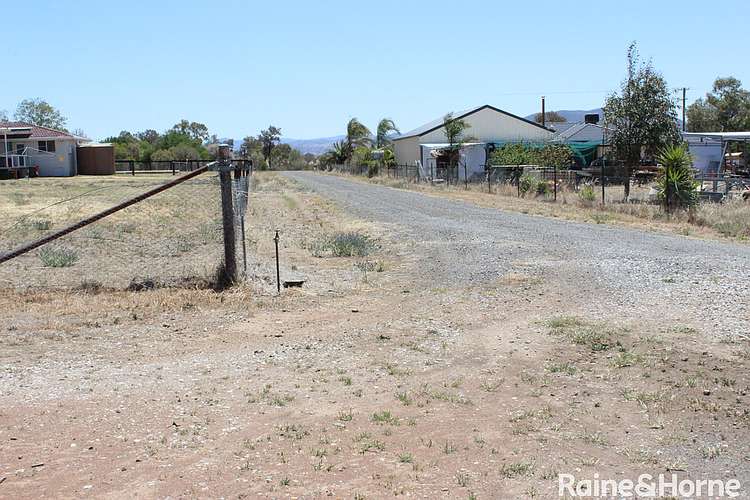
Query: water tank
point(591, 118)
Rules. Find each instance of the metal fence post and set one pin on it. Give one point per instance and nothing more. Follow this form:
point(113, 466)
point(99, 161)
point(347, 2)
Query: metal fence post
point(132, 167)
point(466, 177)
point(278, 274)
point(602, 181)
point(554, 170)
point(227, 216)
point(518, 182)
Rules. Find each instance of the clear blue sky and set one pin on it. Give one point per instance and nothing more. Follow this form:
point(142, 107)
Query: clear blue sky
point(308, 67)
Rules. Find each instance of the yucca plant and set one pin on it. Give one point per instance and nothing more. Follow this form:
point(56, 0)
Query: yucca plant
point(675, 184)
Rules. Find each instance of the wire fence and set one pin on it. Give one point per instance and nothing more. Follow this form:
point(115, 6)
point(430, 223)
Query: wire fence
point(601, 184)
point(170, 239)
point(173, 167)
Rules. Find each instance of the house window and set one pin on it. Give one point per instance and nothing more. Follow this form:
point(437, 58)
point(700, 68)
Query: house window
point(48, 146)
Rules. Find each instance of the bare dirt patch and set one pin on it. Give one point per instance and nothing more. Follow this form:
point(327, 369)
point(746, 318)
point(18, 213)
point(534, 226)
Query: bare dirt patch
point(374, 379)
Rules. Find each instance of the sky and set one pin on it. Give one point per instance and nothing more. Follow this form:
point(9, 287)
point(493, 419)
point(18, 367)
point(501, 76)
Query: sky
point(308, 67)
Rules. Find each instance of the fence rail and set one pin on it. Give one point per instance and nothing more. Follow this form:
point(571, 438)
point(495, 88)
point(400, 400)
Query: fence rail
point(158, 166)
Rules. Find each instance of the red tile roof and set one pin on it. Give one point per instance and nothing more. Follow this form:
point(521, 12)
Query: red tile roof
point(37, 131)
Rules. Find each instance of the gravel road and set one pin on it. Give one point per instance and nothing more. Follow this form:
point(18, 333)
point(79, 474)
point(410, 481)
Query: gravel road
point(603, 270)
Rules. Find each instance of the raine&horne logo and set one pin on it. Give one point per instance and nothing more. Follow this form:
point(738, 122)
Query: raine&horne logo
point(647, 486)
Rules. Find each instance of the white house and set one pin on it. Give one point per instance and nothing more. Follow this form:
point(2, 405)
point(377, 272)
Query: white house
point(51, 152)
point(488, 125)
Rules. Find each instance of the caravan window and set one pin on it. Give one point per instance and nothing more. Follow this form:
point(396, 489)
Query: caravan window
point(48, 146)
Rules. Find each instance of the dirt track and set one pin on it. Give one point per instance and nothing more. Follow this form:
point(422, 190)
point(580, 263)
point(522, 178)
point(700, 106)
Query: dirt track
point(492, 352)
point(609, 270)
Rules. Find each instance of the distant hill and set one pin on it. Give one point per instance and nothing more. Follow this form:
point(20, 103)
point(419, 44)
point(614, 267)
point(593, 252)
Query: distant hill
point(574, 115)
point(314, 146)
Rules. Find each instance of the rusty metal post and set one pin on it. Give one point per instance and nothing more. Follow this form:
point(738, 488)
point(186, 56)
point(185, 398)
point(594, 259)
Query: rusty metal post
point(278, 273)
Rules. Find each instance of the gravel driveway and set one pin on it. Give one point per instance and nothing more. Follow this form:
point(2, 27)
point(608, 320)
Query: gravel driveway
point(603, 270)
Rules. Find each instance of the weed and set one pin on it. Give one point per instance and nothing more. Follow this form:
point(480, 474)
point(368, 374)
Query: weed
point(516, 469)
point(345, 416)
point(404, 398)
point(594, 438)
point(626, 358)
point(58, 256)
point(566, 368)
point(405, 458)
point(449, 448)
point(344, 244)
point(384, 417)
point(491, 385)
point(395, 371)
point(462, 478)
point(563, 322)
point(711, 452)
point(371, 445)
point(40, 224)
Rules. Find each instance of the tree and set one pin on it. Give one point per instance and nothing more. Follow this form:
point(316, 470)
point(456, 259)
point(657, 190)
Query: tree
point(642, 116)
point(3, 115)
point(268, 139)
point(454, 129)
point(195, 130)
point(79, 132)
point(285, 157)
point(386, 127)
point(550, 117)
point(41, 113)
point(356, 135)
point(725, 109)
point(148, 135)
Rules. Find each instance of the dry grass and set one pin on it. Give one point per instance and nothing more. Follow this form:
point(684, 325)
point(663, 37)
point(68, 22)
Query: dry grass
point(712, 220)
point(171, 239)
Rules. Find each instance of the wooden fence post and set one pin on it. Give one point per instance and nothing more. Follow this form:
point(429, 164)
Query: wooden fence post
point(227, 216)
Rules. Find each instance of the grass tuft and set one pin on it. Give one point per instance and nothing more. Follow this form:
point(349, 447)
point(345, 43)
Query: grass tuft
point(58, 256)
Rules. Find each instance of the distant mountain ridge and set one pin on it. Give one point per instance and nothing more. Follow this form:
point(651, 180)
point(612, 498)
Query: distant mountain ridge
point(573, 115)
point(320, 145)
point(315, 146)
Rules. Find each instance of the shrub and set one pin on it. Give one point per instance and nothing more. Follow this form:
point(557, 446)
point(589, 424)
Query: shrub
point(587, 195)
point(526, 184)
point(58, 256)
point(542, 188)
point(676, 185)
point(345, 244)
point(41, 224)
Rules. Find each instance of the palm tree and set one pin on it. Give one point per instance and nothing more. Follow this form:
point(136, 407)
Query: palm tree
point(385, 127)
point(356, 135)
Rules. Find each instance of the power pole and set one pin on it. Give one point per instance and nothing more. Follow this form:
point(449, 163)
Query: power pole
point(684, 90)
point(544, 118)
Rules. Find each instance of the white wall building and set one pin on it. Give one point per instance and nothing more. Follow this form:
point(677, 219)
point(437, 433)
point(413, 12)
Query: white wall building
point(51, 152)
point(487, 125)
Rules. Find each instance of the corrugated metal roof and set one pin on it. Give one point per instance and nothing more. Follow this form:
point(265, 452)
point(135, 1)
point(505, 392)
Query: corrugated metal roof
point(574, 129)
point(438, 122)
